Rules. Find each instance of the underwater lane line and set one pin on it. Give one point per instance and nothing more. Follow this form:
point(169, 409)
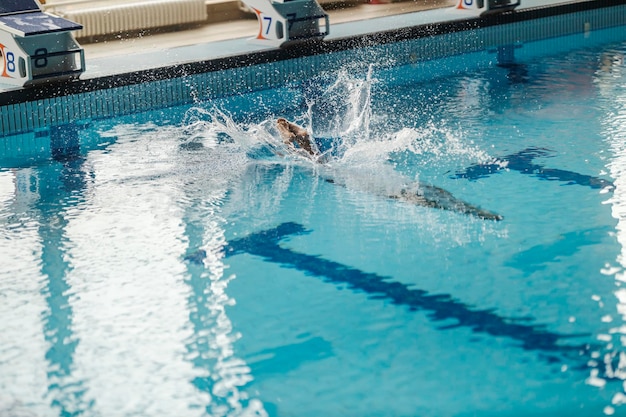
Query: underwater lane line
point(440, 306)
point(522, 162)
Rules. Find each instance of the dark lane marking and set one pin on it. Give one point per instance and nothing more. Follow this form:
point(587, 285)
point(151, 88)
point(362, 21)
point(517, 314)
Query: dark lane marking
point(522, 161)
point(440, 306)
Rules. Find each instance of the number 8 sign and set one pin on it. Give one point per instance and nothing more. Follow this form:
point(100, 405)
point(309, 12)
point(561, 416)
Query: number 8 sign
point(12, 63)
point(8, 58)
point(466, 4)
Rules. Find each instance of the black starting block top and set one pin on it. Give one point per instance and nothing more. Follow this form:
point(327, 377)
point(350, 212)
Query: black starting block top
point(25, 18)
point(18, 6)
point(28, 24)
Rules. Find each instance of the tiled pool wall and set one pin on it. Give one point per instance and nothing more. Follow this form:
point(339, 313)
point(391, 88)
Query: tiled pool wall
point(26, 112)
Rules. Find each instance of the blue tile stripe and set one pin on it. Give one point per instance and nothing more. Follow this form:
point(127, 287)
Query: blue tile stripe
point(110, 97)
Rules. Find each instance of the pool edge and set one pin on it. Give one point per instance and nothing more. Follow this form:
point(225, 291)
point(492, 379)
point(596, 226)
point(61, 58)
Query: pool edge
point(27, 109)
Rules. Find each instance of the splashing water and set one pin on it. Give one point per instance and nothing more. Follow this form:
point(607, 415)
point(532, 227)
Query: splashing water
point(353, 154)
point(343, 110)
point(339, 116)
point(213, 127)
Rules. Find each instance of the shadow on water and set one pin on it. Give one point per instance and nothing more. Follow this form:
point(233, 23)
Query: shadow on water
point(538, 257)
point(281, 360)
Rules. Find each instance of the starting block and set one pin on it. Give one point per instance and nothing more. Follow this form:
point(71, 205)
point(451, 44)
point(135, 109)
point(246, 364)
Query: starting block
point(282, 22)
point(485, 7)
point(36, 47)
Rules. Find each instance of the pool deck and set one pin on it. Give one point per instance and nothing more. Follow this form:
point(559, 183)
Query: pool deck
point(168, 49)
point(244, 26)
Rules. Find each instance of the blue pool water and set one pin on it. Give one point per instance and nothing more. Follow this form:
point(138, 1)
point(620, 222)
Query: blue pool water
point(183, 263)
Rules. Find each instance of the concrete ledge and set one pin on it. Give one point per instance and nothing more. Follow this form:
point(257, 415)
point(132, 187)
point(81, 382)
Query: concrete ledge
point(108, 18)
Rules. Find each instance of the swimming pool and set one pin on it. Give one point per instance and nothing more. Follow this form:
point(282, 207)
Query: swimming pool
point(172, 262)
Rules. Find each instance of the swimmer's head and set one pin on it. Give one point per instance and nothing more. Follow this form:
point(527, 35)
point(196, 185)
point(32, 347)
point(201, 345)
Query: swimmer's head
point(285, 132)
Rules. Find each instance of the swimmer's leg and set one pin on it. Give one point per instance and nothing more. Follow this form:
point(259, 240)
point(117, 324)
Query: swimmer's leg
point(435, 197)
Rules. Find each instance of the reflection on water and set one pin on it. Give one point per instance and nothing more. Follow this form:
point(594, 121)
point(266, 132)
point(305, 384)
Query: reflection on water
point(220, 373)
point(38, 203)
point(57, 189)
point(610, 79)
point(108, 301)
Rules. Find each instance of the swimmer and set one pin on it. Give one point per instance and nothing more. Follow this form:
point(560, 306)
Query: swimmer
point(425, 195)
point(293, 135)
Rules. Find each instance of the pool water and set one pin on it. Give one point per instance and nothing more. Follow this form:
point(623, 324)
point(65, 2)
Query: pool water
point(184, 262)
